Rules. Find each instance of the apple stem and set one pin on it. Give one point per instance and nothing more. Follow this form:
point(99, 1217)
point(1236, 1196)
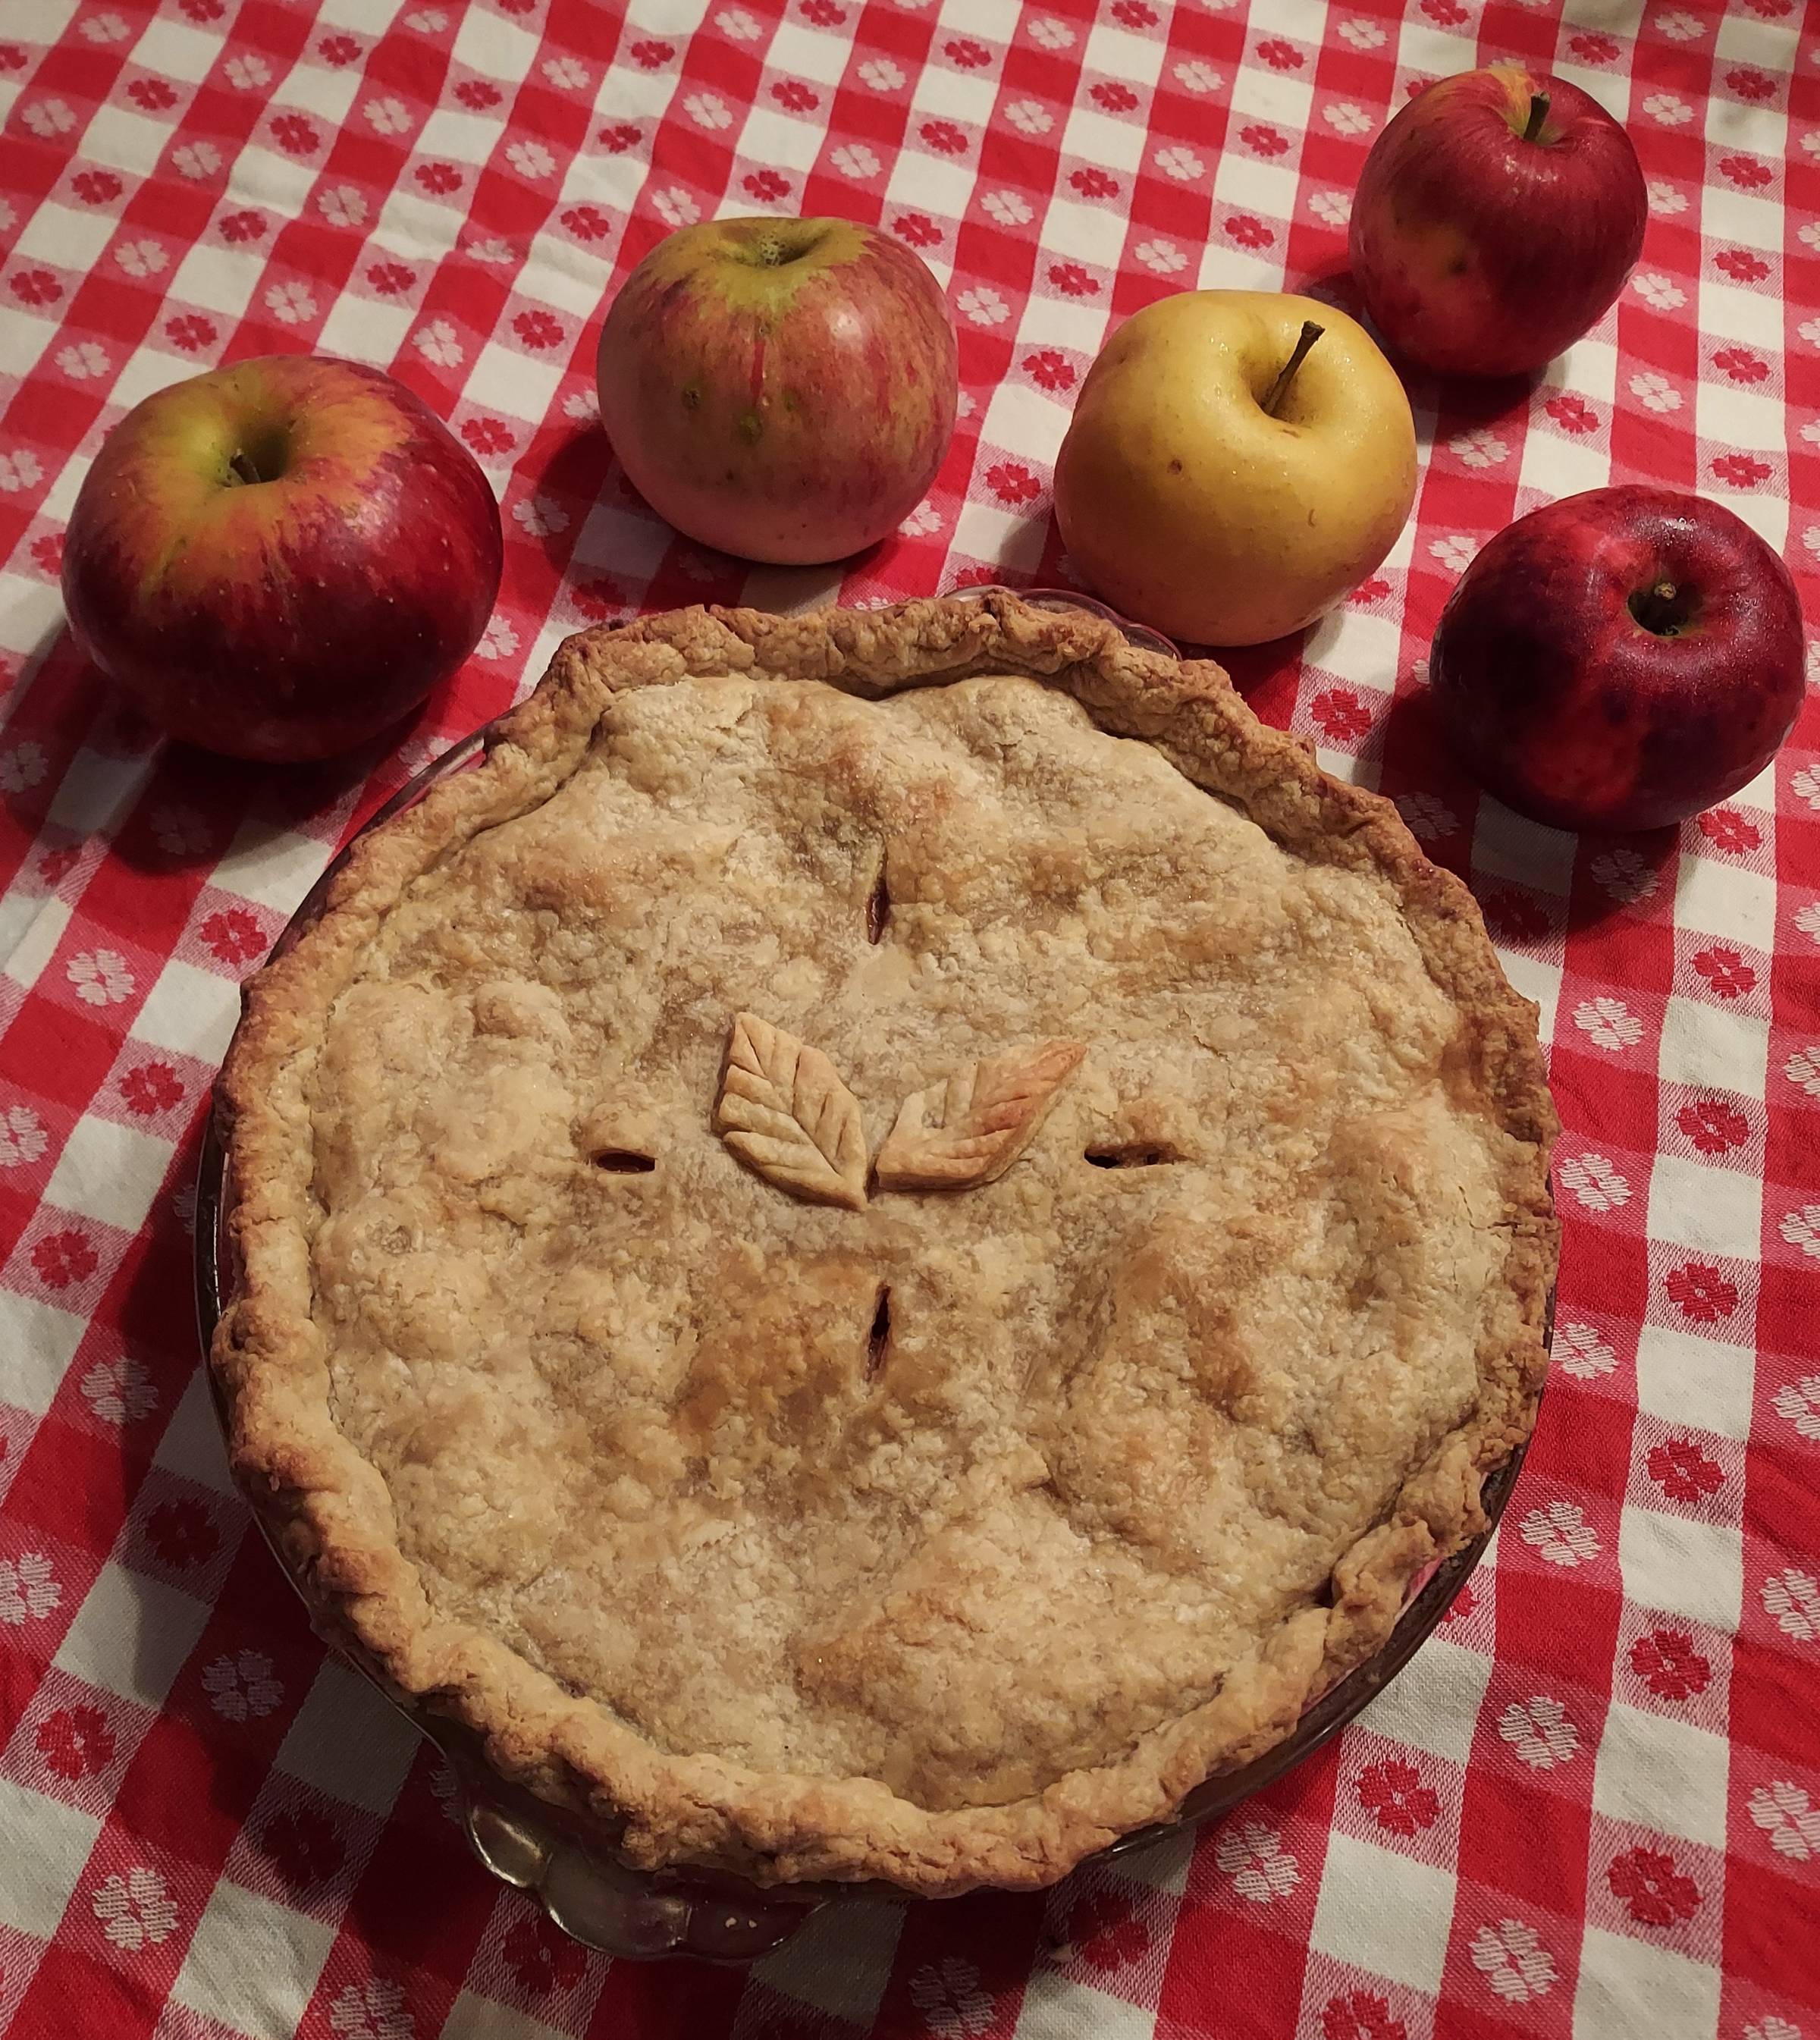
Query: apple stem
point(1310, 334)
point(1538, 113)
point(241, 468)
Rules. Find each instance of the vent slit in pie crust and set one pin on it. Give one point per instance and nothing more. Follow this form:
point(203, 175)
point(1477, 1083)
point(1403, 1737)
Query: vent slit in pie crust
point(840, 1381)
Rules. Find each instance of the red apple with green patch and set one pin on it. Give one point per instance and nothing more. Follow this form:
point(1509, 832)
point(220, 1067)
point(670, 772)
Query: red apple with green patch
point(1495, 221)
point(1620, 659)
point(279, 560)
point(783, 390)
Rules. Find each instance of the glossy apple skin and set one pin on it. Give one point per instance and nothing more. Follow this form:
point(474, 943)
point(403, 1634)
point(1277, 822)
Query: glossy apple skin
point(783, 390)
point(287, 619)
point(1478, 252)
point(1570, 710)
point(1188, 507)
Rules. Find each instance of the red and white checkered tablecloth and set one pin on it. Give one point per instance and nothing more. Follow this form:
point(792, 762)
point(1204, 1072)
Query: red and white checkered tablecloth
point(1592, 1805)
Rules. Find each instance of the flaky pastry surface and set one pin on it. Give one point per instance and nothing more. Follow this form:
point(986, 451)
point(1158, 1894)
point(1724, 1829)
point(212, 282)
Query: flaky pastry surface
point(824, 1528)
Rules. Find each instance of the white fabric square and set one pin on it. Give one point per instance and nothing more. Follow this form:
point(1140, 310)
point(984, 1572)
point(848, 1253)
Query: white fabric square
point(488, 45)
point(191, 1444)
point(191, 1011)
point(32, 945)
point(219, 279)
point(840, 1962)
point(1719, 899)
point(1719, 1211)
point(1681, 1566)
point(1589, 366)
point(932, 184)
point(272, 868)
point(1433, 1702)
point(1384, 1912)
point(967, 97)
point(1537, 979)
point(796, 51)
point(173, 50)
point(48, 1845)
point(252, 1965)
point(1055, 2008)
point(1099, 138)
point(1508, 845)
point(1630, 1989)
point(124, 140)
point(1117, 54)
point(131, 1634)
point(1020, 415)
point(774, 139)
point(1713, 1048)
point(473, 2017)
point(95, 785)
point(40, 1342)
point(514, 385)
point(1093, 233)
point(987, 534)
point(1260, 92)
point(326, 93)
point(108, 1172)
point(1653, 1771)
point(1703, 1383)
point(1162, 1865)
point(363, 329)
point(348, 1742)
point(61, 235)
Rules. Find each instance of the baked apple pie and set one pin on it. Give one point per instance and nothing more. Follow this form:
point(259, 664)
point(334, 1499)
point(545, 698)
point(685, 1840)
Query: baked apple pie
point(885, 1241)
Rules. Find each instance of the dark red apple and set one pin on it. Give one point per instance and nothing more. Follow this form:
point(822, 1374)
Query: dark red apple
point(1620, 659)
point(280, 559)
point(781, 389)
point(1495, 221)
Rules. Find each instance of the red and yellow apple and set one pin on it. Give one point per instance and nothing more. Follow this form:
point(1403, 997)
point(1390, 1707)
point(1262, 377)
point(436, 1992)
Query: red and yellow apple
point(280, 559)
point(1620, 659)
point(1495, 221)
point(1226, 477)
point(780, 389)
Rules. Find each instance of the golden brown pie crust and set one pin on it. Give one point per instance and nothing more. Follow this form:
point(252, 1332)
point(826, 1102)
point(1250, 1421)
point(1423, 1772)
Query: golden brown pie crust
point(1149, 1455)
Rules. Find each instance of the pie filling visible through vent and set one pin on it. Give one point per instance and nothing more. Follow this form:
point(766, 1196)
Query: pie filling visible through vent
point(885, 1240)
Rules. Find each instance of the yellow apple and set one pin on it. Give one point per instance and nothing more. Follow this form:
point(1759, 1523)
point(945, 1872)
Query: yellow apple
point(1202, 492)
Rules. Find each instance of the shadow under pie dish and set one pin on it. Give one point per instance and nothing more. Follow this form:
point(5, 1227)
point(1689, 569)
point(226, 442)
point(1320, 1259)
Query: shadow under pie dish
point(886, 1241)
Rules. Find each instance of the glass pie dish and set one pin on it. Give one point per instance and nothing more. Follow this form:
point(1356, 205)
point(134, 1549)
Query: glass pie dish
point(552, 1853)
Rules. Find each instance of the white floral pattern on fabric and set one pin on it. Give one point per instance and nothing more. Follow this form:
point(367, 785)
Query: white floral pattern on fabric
point(1799, 1403)
point(1560, 1533)
point(1540, 1731)
point(29, 1589)
point(1254, 1857)
point(23, 1138)
point(120, 1391)
point(242, 1687)
point(947, 1994)
point(1608, 1022)
point(1581, 1352)
point(136, 1911)
point(1512, 1960)
point(100, 977)
point(374, 2010)
point(1792, 1598)
point(1594, 1180)
point(1789, 1817)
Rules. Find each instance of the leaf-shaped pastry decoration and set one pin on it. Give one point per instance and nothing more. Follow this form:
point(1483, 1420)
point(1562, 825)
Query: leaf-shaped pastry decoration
point(784, 1111)
point(971, 1130)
